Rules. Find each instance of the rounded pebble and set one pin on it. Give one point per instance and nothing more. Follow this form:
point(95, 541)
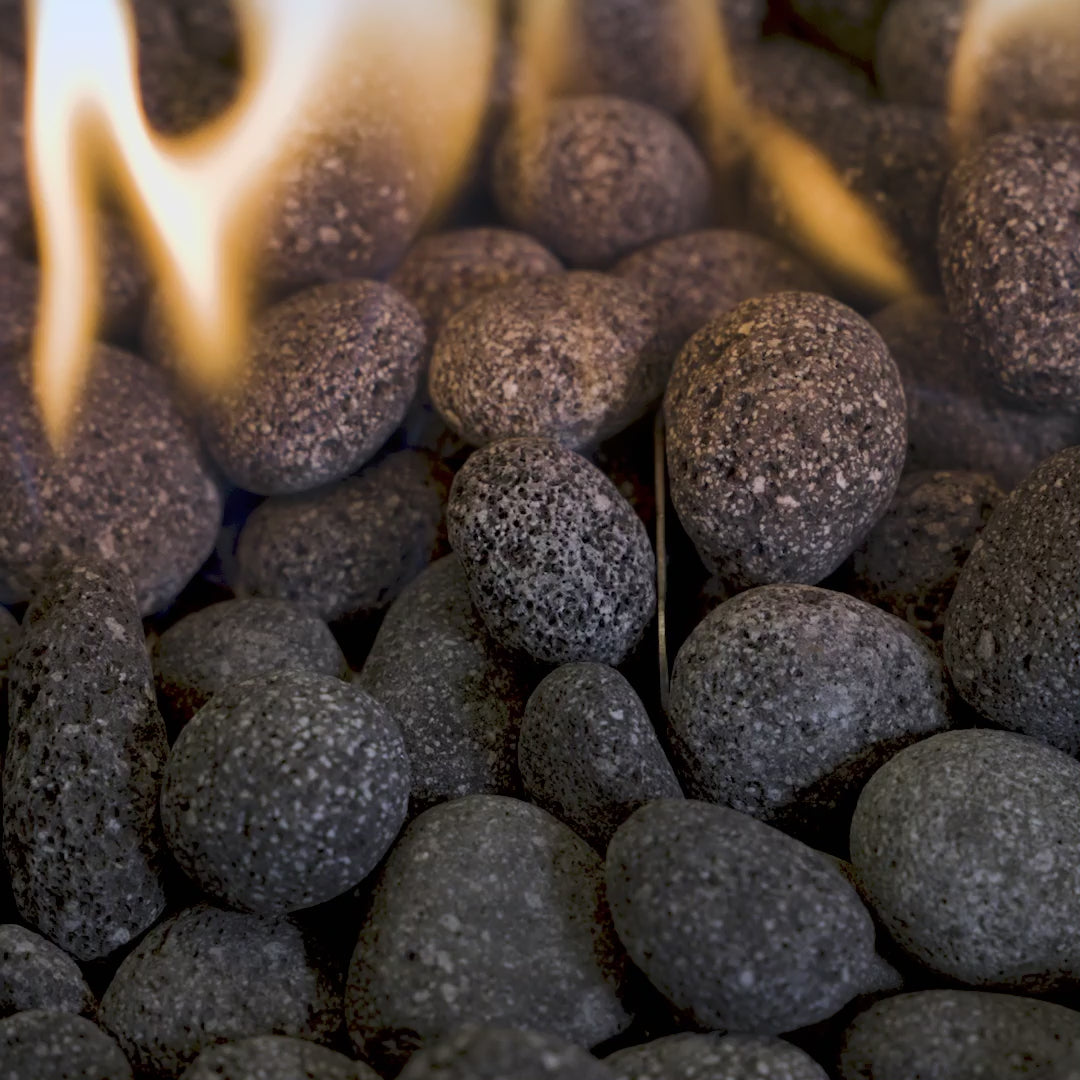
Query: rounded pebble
point(43, 1045)
point(208, 27)
point(690, 1056)
point(9, 642)
point(14, 190)
point(914, 51)
point(18, 304)
point(275, 1057)
point(36, 974)
point(851, 25)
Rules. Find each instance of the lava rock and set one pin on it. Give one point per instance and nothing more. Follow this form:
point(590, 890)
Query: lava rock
point(18, 305)
point(851, 25)
point(914, 52)
point(208, 28)
point(491, 912)
point(275, 1057)
point(9, 642)
point(588, 753)
point(599, 178)
point(14, 192)
point(206, 976)
point(957, 839)
point(43, 1045)
point(85, 756)
point(786, 433)
point(558, 563)
point(690, 1056)
point(36, 974)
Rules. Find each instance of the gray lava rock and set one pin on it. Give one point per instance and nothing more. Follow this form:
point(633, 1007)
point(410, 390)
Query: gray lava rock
point(851, 25)
point(36, 974)
point(600, 178)
point(737, 924)
point(914, 51)
point(275, 1057)
point(206, 976)
point(488, 911)
point(957, 839)
point(43, 1045)
point(689, 1056)
point(18, 304)
point(558, 563)
point(14, 191)
point(208, 27)
point(457, 694)
point(9, 642)
point(85, 756)
point(588, 753)
point(786, 433)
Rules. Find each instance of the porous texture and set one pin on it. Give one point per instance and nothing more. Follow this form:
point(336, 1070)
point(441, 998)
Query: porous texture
point(14, 192)
point(131, 485)
point(786, 433)
point(284, 791)
point(957, 839)
point(36, 974)
point(570, 357)
point(558, 563)
point(488, 911)
point(914, 51)
point(84, 761)
point(275, 1057)
point(206, 976)
point(599, 178)
point(588, 753)
point(851, 25)
point(9, 641)
point(43, 1045)
point(330, 375)
point(1009, 642)
point(689, 1056)
point(737, 924)
point(208, 27)
point(18, 303)
point(457, 694)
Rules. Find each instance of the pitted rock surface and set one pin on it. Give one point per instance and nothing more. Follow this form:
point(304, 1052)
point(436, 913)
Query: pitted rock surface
point(36, 974)
point(690, 1056)
point(275, 1057)
point(43, 1045)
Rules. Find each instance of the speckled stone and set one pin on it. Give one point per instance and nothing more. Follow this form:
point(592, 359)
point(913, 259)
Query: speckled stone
point(943, 1034)
point(570, 357)
point(206, 976)
point(737, 924)
point(332, 372)
point(1009, 631)
point(851, 25)
point(600, 178)
point(914, 51)
point(182, 93)
point(43, 1045)
point(1009, 260)
point(558, 563)
point(36, 974)
point(349, 549)
point(208, 27)
point(786, 434)
point(457, 694)
point(9, 642)
point(958, 839)
point(84, 761)
point(275, 1057)
point(14, 192)
point(18, 304)
point(786, 699)
point(588, 753)
point(690, 1056)
point(488, 911)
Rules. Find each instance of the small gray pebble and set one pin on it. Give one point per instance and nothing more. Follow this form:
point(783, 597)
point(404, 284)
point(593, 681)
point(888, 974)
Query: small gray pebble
point(43, 1045)
point(913, 55)
point(18, 304)
point(36, 974)
point(958, 839)
point(275, 1057)
point(690, 1056)
point(588, 753)
point(558, 563)
point(851, 25)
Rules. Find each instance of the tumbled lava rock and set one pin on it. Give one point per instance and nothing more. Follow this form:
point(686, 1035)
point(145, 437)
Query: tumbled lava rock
point(600, 178)
point(217, 646)
point(332, 371)
point(182, 93)
point(570, 357)
point(737, 924)
point(208, 27)
point(958, 839)
point(491, 912)
point(9, 641)
point(457, 694)
point(284, 791)
point(206, 976)
point(1009, 260)
point(36, 974)
point(851, 25)
point(914, 51)
point(786, 699)
point(18, 304)
point(349, 549)
point(43, 1045)
point(494, 1053)
point(942, 1034)
point(588, 753)
point(558, 563)
point(1009, 641)
point(84, 761)
point(14, 192)
point(786, 433)
point(275, 1057)
point(690, 1056)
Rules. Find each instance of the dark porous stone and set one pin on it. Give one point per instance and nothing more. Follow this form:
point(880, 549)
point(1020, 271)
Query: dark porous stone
point(181, 93)
point(14, 191)
point(786, 435)
point(207, 976)
point(132, 484)
point(488, 911)
point(349, 549)
point(786, 699)
point(332, 372)
point(599, 178)
point(492, 1053)
point(737, 924)
point(914, 52)
point(588, 753)
point(457, 694)
point(1010, 642)
point(851, 25)
point(18, 305)
point(208, 27)
point(284, 791)
point(743, 19)
point(36, 974)
point(275, 1057)
point(211, 649)
point(558, 563)
point(944, 1034)
point(43, 1045)
point(570, 357)
point(958, 839)
point(85, 756)
point(1010, 263)
point(690, 1056)
point(9, 642)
